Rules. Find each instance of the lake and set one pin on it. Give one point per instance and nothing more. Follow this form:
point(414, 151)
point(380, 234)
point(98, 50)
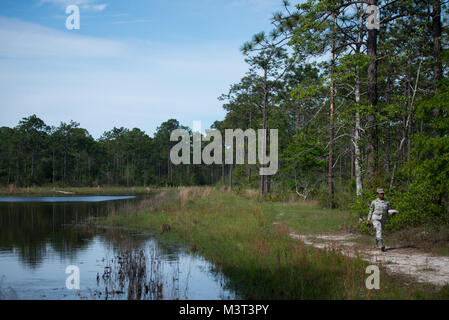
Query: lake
point(41, 236)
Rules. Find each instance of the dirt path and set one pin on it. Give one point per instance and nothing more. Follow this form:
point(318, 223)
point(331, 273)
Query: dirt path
point(405, 260)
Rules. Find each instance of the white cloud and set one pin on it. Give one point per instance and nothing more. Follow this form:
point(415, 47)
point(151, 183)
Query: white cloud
point(99, 7)
point(88, 5)
point(24, 39)
point(102, 83)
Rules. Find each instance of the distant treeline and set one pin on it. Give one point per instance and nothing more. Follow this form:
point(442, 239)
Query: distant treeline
point(33, 153)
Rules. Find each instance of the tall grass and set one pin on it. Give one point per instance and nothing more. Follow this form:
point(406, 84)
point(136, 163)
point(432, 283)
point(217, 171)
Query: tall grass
point(259, 257)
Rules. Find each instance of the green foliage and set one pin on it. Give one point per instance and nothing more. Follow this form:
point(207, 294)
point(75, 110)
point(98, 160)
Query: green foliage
point(343, 197)
point(361, 204)
point(427, 196)
point(304, 160)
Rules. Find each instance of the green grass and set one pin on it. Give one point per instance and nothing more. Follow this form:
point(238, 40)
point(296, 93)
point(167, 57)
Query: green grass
point(260, 260)
point(311, 219)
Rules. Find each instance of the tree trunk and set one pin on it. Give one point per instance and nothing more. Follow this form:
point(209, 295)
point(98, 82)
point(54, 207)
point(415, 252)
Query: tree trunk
point(409, 108)
point(436, 34)
point(351, 145)
point(263, 183)
point(387, 134)
point(357, 153)
point(358, 128)
point(222, 173)
point(331, 122)
point(372, 147)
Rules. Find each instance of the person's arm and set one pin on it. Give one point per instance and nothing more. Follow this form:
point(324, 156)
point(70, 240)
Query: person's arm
point(388, 209)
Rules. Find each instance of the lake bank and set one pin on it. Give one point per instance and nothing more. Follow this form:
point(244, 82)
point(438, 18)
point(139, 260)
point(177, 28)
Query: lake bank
point(246, 240)
point(59, 191)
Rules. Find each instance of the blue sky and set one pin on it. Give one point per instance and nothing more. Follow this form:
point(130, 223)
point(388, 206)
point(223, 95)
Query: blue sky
point(133, 63)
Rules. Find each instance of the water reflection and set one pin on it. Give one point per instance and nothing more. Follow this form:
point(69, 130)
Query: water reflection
point(65, 199)
point(38, 240)
point(32, 228)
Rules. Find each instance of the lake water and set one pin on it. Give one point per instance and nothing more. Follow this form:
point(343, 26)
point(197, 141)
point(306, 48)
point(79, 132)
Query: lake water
point(65, 199)
point(41, 236)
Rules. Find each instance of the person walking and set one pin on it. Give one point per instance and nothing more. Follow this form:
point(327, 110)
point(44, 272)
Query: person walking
point(378, 213)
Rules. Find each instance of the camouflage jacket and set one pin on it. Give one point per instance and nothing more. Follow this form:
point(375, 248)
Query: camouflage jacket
point(378, 210)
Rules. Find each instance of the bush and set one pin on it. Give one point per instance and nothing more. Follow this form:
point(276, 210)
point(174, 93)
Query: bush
point(343, 196)
point(417, 206)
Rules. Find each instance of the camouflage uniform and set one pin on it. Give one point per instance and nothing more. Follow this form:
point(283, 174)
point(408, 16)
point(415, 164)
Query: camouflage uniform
point(378, 213)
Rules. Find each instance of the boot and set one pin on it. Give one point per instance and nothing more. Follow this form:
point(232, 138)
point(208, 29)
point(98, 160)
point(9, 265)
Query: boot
point(376, 246)
point(382, 246)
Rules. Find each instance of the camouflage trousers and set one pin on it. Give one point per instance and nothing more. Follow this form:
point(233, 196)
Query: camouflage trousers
point(379, 226)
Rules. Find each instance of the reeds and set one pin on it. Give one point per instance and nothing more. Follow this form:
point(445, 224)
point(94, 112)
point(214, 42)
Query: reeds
point(131, 274)
point(7, 293)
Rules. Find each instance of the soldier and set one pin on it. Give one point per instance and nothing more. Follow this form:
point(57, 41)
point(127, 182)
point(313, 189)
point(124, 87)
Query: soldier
point(378, 213)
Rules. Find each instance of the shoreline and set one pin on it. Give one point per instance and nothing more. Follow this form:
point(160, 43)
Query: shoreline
point(260, 259)
point(60, 191)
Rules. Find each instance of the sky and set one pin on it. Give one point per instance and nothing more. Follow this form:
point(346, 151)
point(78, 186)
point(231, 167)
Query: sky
point(132, 63)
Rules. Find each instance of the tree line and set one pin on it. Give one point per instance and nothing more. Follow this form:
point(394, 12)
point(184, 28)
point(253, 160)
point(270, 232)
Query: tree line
point(33, 153)
point(356, 107)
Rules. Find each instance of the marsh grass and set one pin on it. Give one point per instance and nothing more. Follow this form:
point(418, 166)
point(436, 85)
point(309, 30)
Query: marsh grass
point(132, 273)
point(7, 293)
point(258, 257)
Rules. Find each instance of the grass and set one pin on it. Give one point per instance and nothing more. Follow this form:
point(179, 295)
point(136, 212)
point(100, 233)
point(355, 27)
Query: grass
point(259, 258)
point(430, 238)
point(311, 219)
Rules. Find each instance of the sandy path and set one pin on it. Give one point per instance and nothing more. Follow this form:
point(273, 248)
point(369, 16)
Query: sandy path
point(408, 261)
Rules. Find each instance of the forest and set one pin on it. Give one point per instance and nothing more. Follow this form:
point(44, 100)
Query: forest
point(357, 108)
